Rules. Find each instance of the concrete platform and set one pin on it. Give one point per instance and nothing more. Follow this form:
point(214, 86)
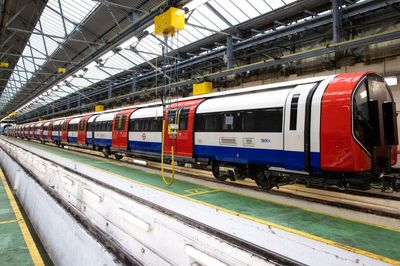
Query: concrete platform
point(17, 246)
point(376, 242)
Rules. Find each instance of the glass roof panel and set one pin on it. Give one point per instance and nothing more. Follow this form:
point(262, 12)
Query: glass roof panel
point(51, 24)
point(80, 82)
point(96, 73)
point(205, 17)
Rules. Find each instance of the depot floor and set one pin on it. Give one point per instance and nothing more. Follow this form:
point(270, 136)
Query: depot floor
point(18, 243)
point(374, 241)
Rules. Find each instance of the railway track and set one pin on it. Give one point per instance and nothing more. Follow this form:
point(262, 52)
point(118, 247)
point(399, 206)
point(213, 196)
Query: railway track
point(375, 202)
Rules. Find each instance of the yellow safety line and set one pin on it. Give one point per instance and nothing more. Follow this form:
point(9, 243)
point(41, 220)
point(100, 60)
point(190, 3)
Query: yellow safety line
point(287, 229)
point(201, 192)
point(35, 255)
point(9, 221)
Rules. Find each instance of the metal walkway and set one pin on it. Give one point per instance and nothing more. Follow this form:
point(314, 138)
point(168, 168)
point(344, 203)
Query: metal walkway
point(377, 242)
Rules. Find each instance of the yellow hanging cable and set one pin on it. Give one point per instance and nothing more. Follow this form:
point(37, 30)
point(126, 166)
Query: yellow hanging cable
point(171, 179)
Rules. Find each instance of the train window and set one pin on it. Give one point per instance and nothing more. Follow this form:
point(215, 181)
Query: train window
point(171, 116)
point(210, 123)
point(117, 124)
point(184, 119)
point(121, 124)
point(108, 126)
point(264, 120)
point(156, 124)
point(134, 125)
point(228, 122)
point(293, 112)
point(362, 126)
point(82, 125)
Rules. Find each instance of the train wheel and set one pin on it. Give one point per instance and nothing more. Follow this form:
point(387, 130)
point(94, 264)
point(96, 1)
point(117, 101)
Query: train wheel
point(263, 178)
point(217, 174)
point(106, 152)
point(118, 156)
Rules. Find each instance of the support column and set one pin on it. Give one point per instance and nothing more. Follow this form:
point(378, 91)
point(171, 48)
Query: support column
point(134, 82)
point(337, 20)
point(229, 52)
point(110, 90)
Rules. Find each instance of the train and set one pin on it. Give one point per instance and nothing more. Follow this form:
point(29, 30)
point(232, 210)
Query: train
point(333, 130)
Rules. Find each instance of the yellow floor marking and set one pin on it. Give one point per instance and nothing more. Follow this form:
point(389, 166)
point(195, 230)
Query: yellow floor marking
point(35, 255)
point(9, 221)
point(196, 191)
point(287, 229)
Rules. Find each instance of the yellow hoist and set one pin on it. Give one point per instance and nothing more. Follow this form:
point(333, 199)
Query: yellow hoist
point(168, 24)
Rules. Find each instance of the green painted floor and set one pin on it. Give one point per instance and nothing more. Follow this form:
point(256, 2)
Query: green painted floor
point(374, 239)
point(13, 250)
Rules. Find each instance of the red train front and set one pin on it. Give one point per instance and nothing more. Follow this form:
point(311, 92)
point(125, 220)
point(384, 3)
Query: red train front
point(358, 126)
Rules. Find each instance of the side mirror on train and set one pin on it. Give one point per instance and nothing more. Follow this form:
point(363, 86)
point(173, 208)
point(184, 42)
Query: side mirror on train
point(390, 123)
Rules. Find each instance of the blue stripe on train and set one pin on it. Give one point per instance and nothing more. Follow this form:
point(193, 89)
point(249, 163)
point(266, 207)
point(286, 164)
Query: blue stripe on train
point(72, 139)
point(102, 142)
point(145, 146)
point(278, 158)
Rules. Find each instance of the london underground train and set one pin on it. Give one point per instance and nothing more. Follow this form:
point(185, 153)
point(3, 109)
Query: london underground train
point(339, 130)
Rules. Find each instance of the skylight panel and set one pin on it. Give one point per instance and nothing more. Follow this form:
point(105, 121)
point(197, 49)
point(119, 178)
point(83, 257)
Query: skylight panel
point(249, 9)
point(207, 18)
point(223, 10)
point(80, 82)
point(275, 3)
point(51, 23)
point(118, 61)
point(261, 6)
point(96, 73)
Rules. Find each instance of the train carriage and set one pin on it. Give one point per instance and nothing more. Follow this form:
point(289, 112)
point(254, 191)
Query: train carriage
point(338, 129)
point(120, 134)
point(45, 135)
point(145, 131)
point(102, 132)
point(83, 129)
point(72, 130)
point(56, 131)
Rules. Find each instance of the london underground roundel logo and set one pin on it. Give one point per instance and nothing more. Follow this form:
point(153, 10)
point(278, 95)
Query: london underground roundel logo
point(144, 136)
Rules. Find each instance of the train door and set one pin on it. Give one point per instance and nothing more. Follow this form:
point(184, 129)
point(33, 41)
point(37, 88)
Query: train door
point(64, 130)
point(41, 131)
point(50, 130)
point(120, 128)
point(180, 117)
point(82, 128)
point(297, 127)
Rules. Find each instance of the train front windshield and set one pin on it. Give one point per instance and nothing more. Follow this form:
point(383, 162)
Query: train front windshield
point(374, 119)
